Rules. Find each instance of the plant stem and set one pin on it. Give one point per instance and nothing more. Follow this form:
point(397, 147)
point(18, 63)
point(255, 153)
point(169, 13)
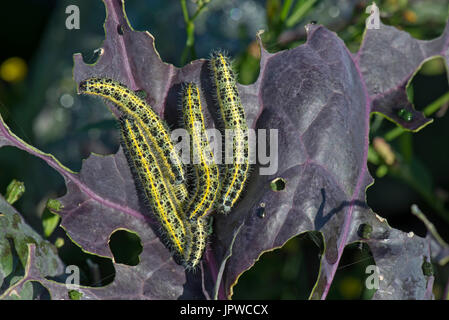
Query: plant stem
point(394, 133)
point(300, 10)
point(436, 105)
point(428, 110)
point(198, 11)
point(189, 50)
point(285, 10)
point(429, 225)
point(185, 12)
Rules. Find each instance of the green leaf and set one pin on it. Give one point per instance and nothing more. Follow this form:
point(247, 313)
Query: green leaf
point(75, 295)
point(14, 191)
point(24, 257)
point(50, 221)
point(299, 11)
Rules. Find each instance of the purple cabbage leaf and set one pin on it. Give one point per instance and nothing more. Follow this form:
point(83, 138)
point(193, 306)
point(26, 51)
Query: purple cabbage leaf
point(319, 97)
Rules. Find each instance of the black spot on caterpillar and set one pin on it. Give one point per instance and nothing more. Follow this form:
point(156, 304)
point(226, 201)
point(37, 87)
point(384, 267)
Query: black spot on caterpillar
point(134, 107)
point(206, 182)
point(158, 193)
point(196, 231)
point(233, 117)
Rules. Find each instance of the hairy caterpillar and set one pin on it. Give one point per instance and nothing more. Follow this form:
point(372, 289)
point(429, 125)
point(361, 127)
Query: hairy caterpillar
point(136, 108)
point(196, 232)
point(206, 171)
point(233, 117)
point(158, 168)
point(142, 159)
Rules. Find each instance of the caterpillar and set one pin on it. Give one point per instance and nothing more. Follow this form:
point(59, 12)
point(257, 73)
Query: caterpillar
point(158, 193)
point(206, 171)
point(136, 108)
point(233, 117)
point(196, 231)
point(158, 168)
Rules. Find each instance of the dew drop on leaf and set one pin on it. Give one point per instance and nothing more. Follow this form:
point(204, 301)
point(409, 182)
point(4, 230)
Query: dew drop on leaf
point(260, 212)
point(406, 115)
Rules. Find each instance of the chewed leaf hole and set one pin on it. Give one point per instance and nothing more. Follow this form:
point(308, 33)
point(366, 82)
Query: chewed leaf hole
point(120, 29)
point(364, 231)
point(38, 291)
point(288, 273)
point(278, 184)
point(126, 247)
point(355, 277)
point(91, 57)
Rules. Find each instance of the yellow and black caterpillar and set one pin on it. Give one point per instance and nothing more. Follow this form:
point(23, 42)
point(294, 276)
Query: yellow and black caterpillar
point(234, 121)
point(186, 237)
point(158, 169)
point(141, 157)
point(206, 171)
point(134, 107)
